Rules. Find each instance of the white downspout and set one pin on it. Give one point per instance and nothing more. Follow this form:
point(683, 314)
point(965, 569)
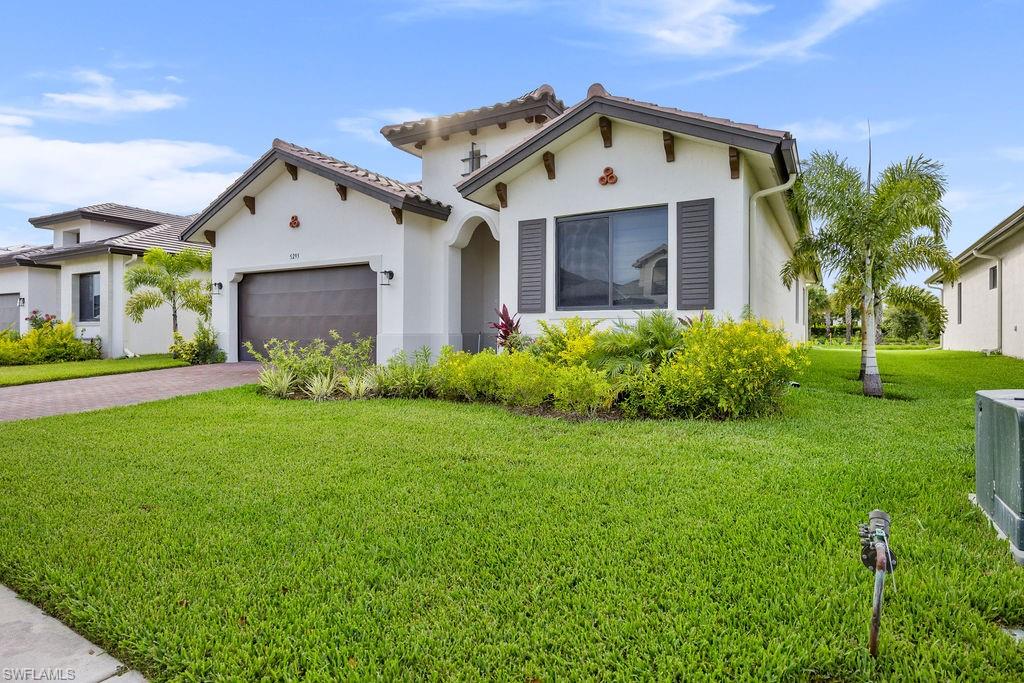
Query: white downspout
point(999, 296)
point(751, 212)
point(942, 300)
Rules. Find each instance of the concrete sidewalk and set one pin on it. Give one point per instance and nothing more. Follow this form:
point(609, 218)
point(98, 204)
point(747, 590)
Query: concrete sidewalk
point(37, 647)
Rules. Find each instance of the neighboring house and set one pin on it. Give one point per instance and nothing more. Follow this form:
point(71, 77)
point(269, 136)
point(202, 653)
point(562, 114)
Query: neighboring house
point(600, 210)
point(986, 304)
point(80, 276)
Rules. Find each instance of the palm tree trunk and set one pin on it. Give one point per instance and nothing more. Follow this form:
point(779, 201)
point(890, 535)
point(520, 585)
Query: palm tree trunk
point(878, 318)
point(848, 319)
point(174, 318)
point(863, 349)
point(872, 378)
point(828, 325)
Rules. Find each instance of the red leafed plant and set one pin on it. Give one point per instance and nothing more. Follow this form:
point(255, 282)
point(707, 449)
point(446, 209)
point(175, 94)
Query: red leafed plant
point(507, 325)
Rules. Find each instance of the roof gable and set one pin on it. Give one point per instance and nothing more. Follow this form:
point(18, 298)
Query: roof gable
point(778, 144)
point(397, 194)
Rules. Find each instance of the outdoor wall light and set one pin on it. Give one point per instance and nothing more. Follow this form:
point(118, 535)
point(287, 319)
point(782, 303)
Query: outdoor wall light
point(21, 302)
point(217, 287)
point(386, 276)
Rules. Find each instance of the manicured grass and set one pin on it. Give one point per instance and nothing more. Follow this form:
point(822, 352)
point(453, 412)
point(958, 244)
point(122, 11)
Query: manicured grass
point(48, 372)
point(229, 535)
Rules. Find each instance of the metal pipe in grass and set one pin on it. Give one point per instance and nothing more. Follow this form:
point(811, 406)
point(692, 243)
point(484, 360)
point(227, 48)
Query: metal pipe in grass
point(876, 555)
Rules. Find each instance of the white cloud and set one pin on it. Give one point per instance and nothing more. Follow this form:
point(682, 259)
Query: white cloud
point(1011, 153)
point(367, 126)
point(160, 174)
point(101, 95)
point(14, 121)
point(829, 130)
point(717, 29)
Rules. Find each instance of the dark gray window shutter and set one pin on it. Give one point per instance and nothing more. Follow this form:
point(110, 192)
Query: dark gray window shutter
point(533, 245)
point(695, 254)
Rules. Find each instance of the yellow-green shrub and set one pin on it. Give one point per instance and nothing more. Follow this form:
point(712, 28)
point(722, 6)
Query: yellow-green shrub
point(726, 369)
point(566, 342)
point(580, 390)
point(525, 380)
point(49, 343)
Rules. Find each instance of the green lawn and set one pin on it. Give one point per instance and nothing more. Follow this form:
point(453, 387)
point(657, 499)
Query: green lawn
point(48, 372)
point(229, 535)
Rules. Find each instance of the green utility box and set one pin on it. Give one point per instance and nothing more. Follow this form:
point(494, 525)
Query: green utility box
point(999, 462)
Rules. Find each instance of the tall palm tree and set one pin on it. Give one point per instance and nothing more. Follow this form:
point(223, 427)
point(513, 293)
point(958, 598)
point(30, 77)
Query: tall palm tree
point(872, 235)
point(164, 278)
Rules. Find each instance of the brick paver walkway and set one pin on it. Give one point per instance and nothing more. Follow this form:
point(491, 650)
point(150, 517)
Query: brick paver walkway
point(92, 393)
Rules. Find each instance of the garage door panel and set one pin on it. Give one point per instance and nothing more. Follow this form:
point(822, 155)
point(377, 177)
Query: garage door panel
point(302, 305)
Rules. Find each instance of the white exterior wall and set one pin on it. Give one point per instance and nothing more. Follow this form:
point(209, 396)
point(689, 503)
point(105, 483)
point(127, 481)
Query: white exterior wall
point(977, 328)
point(118, 334)
point(88, 231)
point(771, 247)
point(442, 171)
point(360, 230)
point(701, 170)
point(39, 287)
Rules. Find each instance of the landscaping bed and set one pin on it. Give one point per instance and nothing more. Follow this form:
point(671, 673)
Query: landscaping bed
point(228, 535)
point(49, 372)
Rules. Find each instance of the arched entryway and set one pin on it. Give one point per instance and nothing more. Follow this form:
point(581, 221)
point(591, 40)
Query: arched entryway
point(479, 285)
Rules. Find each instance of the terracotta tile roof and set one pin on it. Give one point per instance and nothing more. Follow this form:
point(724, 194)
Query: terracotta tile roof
point(598, 100)
point(131, 215)
point(396, 187)
point(542, 99)
point(164, 236)
point(393, 192)
point(11, 255)
point(749, 127)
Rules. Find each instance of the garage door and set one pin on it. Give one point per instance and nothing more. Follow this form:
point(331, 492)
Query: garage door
point(302, 305)
point(9, 311)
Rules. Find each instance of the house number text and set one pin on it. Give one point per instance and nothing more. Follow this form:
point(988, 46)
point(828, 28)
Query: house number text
point(294, 256)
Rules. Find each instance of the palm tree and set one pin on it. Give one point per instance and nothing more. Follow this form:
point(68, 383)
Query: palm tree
point(871, 235)
point(818, 303)
point(164, 278)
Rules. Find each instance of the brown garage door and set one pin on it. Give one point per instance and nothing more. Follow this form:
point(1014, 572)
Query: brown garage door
point(9, 311)
point(302, 305)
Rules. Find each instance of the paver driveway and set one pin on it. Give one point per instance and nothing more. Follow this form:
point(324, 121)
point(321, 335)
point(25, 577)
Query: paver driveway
point(91, 393)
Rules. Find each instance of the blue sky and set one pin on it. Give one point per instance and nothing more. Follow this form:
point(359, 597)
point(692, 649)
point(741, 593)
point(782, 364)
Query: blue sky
point(162, 104)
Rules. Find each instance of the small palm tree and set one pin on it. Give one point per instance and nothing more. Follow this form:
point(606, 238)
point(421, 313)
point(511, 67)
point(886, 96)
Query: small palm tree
point(872, 236)
point(165, 278)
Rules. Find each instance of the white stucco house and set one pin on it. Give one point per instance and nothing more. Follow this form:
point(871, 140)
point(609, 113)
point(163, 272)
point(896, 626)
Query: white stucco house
point(79, 276)
point(985, 306)
point(601, 210)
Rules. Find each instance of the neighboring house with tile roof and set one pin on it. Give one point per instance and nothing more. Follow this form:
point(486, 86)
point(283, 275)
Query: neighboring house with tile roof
point(80, 275)
point(985, 304)
point(601, 209)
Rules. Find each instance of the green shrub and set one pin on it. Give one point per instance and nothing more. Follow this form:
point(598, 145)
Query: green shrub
point(277, 381)
point(321, 387)
point(646, 342)
point(357, 386)
point(524, 380)
point(569, 341)
point(316, 358)
point(581, 390)
point(404, 377)
point(727, 369)
point(201, 349)
point(49, 343)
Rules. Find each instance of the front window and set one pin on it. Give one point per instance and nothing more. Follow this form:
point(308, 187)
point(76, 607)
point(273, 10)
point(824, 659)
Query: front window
point(617, 259)
point(88, 297)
